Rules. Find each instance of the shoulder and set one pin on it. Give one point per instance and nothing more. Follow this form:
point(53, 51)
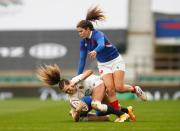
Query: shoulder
point(97, 33)
point(82, 41)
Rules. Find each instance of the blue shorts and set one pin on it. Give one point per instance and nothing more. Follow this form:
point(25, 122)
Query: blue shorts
point(88, 100)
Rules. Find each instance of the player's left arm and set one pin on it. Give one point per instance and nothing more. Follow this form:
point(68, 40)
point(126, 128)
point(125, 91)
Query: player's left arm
point(100, 41)
point(99, 38)
point(81, 77)
point(86, 74)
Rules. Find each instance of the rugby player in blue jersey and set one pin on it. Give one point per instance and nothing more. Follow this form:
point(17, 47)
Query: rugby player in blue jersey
point(80, 86)
point(111, 65)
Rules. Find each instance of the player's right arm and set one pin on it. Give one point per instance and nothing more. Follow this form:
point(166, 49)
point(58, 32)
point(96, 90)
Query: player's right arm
point(82, 57)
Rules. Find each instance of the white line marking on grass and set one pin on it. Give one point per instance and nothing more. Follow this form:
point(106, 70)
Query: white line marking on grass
point(114, 128)
point(25, 128)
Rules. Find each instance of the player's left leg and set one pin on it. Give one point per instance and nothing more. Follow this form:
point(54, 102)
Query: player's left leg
point(98, 92)
point(122, 116)
point(93, 117)
point(140, 93)
point(118, 77)
point(88, 116)
point(129, 110)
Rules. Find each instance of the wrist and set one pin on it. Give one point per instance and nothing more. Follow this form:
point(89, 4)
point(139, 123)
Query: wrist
point(79, 80)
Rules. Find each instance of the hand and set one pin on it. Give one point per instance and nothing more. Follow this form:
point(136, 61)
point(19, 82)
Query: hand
point(72, 84)
point(92, 54)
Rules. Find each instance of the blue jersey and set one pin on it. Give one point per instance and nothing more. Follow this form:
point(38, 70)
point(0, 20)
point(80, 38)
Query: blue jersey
point(99, 43)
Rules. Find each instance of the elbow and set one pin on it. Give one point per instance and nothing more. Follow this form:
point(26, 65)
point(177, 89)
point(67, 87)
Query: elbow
point(100, 48)
point(89, 71)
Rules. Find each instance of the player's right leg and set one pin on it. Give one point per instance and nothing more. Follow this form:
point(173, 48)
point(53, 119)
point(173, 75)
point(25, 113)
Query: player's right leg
point(140, 93)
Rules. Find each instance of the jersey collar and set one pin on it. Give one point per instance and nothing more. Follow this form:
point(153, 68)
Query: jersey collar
point(90, 35)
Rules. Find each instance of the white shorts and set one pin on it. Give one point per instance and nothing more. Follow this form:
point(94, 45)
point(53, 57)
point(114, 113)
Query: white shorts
point(111, 66)
point(92, 82)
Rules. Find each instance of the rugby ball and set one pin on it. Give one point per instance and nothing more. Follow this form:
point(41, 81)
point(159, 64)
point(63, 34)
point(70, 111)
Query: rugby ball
point(76, 103)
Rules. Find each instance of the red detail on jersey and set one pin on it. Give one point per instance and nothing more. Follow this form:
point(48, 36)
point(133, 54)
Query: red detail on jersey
point(93, 42)
point(100, 71)
point(107, 43)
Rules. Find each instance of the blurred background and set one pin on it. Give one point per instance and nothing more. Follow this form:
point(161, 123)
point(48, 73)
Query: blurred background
point(37, 32)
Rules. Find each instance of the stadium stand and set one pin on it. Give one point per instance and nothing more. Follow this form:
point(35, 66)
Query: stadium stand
point(160, 79)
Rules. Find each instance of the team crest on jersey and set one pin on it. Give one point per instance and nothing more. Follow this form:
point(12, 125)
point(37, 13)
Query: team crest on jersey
point(85, 44)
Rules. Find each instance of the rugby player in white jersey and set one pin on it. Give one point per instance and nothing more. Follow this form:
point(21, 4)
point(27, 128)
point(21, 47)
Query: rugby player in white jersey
point(85, 84)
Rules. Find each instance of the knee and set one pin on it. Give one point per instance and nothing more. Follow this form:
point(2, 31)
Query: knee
point(119, 88)
point(111, 92)
point(97, 105)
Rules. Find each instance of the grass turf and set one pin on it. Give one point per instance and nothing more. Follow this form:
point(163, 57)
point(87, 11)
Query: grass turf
point(35, 115)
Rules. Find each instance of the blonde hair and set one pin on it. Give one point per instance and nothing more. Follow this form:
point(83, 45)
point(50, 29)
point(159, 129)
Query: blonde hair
point(49, 74)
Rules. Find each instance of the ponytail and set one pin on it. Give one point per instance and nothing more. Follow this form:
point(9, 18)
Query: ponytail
point(49, 74)
point(93, 15)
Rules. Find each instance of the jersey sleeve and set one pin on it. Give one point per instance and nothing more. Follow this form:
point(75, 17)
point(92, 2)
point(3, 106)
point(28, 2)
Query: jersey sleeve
point(75, 96)
point(82, 57)
point(99, 37)
point(76, 78)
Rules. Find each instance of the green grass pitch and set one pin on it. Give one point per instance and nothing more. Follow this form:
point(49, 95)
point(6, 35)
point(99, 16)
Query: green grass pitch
point(35, 115)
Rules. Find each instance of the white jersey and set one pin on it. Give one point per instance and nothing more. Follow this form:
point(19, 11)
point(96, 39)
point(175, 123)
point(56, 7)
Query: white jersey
point(85, 87)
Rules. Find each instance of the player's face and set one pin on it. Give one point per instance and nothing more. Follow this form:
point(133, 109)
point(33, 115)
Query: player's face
point(69, 89)
point(83, 33)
